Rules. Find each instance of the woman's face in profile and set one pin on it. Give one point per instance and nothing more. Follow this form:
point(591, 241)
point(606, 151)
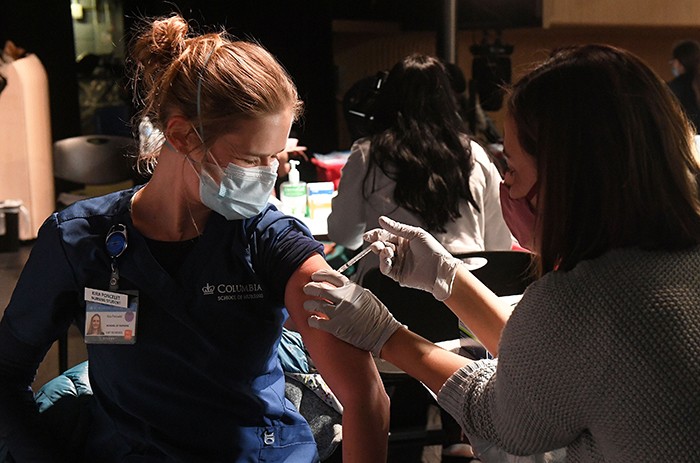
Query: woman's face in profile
point(522, 167)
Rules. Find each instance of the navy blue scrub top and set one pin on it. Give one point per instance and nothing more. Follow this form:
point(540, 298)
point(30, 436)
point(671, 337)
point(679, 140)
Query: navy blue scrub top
point(203, 381)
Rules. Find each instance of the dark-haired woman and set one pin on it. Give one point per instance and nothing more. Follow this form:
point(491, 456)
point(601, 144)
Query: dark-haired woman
point(419, 168)
point(601, 355)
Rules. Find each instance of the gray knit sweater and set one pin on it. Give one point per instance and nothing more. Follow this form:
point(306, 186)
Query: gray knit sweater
point(603, 360)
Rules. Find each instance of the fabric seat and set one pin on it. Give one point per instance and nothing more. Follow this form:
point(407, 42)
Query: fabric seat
point(504, 272)
point(91, 160)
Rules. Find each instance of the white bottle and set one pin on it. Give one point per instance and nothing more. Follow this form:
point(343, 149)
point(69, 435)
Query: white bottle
point(293, 193)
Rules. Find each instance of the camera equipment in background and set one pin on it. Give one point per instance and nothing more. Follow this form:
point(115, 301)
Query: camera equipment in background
point(491, 70)
point(359, 104)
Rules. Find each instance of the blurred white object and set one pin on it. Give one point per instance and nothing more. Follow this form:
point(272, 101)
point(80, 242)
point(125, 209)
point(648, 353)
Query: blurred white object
point(25, 150)
point(291, 144)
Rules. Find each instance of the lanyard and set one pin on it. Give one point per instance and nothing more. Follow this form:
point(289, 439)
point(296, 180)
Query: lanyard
point(115, 243)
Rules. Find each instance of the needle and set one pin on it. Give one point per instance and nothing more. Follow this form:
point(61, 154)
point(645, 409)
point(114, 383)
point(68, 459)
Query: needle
point(352, 261)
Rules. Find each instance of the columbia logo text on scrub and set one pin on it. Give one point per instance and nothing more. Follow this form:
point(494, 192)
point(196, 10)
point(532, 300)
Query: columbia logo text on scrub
point(223, 288)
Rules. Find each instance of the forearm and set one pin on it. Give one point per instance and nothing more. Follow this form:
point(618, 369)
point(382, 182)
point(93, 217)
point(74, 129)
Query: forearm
point(353, 378)
point(479, 308)
point(421, 359)
point(366, 428)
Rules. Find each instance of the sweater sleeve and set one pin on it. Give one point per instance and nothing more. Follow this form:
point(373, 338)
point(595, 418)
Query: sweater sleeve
point(528, 401)
point(347, 221)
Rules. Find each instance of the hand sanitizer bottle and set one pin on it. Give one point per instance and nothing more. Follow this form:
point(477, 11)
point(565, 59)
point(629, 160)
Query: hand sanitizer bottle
point(293, 193)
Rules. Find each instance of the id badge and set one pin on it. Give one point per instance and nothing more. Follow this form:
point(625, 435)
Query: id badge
point(110, 316)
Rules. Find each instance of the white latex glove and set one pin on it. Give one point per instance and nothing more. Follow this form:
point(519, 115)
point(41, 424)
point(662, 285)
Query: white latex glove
point(413, 257)
point(355, 315)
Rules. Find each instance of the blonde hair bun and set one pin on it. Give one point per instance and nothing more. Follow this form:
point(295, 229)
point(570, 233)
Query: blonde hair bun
point(160, 43)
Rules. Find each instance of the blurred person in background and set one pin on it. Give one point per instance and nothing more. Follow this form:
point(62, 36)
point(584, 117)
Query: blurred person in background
point(685, 66)
point(419, 167)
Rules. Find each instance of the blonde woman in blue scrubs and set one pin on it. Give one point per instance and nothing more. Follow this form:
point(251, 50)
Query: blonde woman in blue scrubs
point(198, 275)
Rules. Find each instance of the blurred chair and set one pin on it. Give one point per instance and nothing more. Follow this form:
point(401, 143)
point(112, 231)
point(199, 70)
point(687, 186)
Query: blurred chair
point(506, 273)
point(99, 161)
point(91, 160)
point(419, 310)
point(410, 400)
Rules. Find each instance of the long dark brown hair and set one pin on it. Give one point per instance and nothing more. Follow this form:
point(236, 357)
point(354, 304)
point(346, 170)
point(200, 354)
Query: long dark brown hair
point(614, 155)
point(419, 142)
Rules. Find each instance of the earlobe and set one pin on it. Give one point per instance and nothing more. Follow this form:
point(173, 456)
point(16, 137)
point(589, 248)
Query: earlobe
point(178, 131)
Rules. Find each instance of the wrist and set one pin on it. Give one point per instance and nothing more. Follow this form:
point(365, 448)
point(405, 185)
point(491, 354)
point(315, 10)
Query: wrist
point(446, 271)
point(385, 352)
point(391, 327)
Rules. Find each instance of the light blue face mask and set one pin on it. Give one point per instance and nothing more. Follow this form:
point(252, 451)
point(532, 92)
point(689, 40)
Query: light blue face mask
point(243, 192)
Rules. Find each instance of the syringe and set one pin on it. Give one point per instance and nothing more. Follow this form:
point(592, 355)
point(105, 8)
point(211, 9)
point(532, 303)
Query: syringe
point(355, 259)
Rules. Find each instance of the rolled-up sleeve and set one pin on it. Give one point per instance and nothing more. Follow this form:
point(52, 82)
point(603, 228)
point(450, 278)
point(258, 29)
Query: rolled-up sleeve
point(527, 401)
point(463, 394)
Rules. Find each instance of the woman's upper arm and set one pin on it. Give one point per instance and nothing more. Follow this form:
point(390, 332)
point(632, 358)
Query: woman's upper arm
point(345, 368)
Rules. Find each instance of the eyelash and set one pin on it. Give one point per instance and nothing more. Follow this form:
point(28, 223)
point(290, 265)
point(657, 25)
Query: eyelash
point(507, 159)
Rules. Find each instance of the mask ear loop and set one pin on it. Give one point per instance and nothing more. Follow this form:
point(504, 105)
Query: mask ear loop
point(200, 132)
point(199, 93)
point(208, 165)
point(200, 77)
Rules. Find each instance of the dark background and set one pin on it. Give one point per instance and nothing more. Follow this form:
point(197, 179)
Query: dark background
point(298, 32)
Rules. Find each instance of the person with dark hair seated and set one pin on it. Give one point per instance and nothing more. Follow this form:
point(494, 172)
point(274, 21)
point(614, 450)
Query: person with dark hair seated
point(419, 167)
